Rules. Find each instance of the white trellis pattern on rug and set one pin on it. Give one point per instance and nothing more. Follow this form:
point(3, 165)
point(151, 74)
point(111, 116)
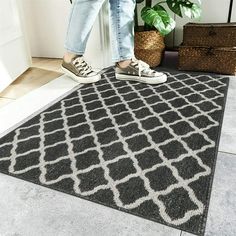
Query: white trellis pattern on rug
point(127, 95)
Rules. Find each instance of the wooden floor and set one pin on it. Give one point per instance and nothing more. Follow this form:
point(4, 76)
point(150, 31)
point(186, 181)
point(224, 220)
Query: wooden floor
point(43, 70)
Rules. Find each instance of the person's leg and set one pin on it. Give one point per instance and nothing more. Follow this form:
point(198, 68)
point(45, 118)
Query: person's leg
point(122, 25)
point(82, 17)
point(81, 20)
point(127, 66)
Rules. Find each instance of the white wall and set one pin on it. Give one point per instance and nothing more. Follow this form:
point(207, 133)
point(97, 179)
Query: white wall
point(14, 53)
point(46, 22)
point(233, 16)
point(47, 25)
point(212, 11)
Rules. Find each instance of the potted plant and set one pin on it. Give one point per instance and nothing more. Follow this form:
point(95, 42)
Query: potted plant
point(149, 39)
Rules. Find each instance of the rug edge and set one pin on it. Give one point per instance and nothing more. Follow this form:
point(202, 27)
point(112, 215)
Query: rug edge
point(21, 122)
point(204, 219)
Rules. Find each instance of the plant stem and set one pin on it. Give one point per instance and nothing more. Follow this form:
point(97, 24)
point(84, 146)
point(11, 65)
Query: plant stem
point(135, 18)
point(148, 3)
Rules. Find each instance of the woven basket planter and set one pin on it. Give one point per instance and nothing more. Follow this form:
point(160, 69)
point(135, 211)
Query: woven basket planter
point(149, 47)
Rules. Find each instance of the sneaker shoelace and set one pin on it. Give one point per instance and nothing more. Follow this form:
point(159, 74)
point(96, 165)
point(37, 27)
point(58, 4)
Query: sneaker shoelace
point(142, 67)
point(82, 66)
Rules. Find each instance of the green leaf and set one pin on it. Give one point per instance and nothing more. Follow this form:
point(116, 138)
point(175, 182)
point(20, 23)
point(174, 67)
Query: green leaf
point(147, 14)
point(185, 7)
point(158, 7)
point(175, 6)
point(159, 18)
point(163, 14)
point(196, 11)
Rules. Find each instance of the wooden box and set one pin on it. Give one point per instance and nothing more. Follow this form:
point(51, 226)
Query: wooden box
point(210, 34)
point(201, 58)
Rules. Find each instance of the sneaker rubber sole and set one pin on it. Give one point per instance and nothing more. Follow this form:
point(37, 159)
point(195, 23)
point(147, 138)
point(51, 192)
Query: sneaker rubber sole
point(147, 80)
point(83, 80)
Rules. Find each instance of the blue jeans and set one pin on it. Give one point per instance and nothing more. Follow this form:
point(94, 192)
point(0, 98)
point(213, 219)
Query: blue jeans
point(82, 18)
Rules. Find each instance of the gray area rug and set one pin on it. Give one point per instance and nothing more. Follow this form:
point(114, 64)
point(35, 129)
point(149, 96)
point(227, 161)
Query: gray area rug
point(149, 150)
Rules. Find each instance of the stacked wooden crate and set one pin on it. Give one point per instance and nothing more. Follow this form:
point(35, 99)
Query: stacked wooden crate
point(209, 47)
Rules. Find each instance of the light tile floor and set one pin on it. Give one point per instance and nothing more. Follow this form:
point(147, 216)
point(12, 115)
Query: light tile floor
point(228, 134)
point(222, 211)
point(31, 210)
